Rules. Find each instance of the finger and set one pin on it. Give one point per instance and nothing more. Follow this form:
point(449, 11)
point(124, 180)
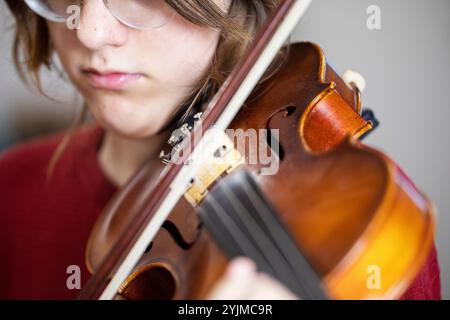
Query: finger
point(267, 288)
point(237, 280)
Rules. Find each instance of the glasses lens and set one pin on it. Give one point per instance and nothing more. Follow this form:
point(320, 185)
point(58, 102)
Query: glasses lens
point(53, 10)
point(141, 14)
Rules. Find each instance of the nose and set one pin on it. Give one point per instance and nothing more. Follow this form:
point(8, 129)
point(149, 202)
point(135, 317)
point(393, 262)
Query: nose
point(98, 27)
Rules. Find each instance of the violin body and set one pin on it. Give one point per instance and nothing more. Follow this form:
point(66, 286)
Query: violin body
point(350, 209)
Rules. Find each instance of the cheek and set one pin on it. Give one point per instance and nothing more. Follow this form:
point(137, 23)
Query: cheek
point(182, 54)
point(68, 48)
point(127, 117)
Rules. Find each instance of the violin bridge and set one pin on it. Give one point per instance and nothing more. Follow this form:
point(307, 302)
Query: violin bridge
point(224, 160)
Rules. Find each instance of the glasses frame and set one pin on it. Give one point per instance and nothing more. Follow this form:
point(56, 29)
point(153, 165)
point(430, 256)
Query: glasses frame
point(43, 11)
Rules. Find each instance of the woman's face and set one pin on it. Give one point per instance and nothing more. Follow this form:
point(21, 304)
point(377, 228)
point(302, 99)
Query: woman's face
point(133, 80)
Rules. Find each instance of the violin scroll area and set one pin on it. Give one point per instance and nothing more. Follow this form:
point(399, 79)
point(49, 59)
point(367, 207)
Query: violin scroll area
point(328, 120)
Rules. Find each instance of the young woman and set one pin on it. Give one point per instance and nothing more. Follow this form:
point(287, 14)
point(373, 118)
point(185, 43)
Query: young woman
point(141, 65)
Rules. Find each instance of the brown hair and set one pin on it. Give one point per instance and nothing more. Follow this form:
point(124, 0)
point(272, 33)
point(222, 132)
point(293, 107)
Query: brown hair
point(33, 50)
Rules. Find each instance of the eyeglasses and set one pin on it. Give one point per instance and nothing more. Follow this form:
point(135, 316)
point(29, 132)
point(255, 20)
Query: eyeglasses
point(138, 14)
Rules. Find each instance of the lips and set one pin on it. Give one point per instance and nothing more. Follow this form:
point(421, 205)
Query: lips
point(111, 80)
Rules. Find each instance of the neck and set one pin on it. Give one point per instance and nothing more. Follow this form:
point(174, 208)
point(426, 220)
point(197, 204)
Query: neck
point(120, 157)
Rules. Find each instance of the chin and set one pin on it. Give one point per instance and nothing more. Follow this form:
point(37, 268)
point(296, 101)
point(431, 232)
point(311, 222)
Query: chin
point(131, 130)
point(126, 120)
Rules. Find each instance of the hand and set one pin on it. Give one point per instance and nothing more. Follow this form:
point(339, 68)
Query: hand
point(242, 281)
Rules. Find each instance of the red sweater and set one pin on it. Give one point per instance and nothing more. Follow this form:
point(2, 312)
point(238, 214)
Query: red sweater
point(45, 224)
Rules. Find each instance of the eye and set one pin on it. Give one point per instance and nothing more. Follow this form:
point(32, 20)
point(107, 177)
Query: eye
point(141, 14)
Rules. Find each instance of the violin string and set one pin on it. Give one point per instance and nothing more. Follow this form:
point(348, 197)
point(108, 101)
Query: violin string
point(244, 244)
point(287, 246)
point(254, 230)
point(284, 272)
point(220, 235)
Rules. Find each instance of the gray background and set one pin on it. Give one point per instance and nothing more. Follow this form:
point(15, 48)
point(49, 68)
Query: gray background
point(405, 64)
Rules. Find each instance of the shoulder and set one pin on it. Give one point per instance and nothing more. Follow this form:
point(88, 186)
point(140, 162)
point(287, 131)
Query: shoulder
point(30, 151)
point(34, 156)
point(26, 160)
point(427, 284)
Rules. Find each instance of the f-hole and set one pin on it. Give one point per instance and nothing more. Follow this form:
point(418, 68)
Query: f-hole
point(176, 235)
point(270, 138)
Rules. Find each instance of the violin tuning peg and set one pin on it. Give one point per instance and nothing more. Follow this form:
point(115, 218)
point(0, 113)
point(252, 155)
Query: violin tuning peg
point(198, 116)
point(353, 78)
point(177, 136)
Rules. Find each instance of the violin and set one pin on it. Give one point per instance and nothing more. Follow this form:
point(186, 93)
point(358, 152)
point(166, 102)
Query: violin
point(333, 211)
